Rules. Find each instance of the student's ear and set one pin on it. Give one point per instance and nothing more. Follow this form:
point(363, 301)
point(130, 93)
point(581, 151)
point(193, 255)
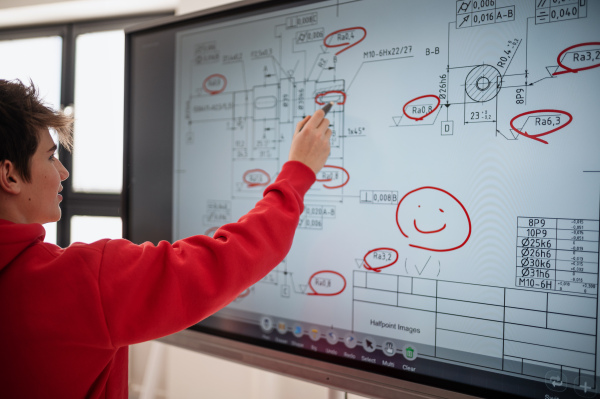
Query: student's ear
point(9, 178)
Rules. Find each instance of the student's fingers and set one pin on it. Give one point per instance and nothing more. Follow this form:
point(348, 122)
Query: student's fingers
point(323, 126)
point(316, 119)
point(311, 148)
point(311, 121)
point(301, 124)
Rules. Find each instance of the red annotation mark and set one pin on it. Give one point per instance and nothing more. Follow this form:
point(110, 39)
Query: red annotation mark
point(348, 37)
point(319, 97)
point(256, 177)
point(587, 57)
point(421, 109)
point(328, 176)
point(546, 122)
point(214, 84)
point(382, 257)
point(451, 233)
point(428, 231)
point(326, 283)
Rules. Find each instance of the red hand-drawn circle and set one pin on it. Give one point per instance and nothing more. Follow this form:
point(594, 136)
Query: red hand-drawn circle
point(328, 294)
point(213, 76)
point(259, 172)
point(325, 93)
point(378, 268)
point(451, 196)
point(347, 43)
point(574, 70)
point(536, 136)
point(326, 180)
point(418, 98)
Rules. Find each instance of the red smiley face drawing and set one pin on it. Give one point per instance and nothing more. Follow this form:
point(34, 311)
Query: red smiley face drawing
point(433, 220)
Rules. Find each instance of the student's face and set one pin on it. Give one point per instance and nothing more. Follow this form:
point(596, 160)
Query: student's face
point(41, 196)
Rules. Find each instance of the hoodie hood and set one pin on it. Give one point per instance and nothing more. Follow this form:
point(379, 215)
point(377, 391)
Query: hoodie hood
point(15, 238)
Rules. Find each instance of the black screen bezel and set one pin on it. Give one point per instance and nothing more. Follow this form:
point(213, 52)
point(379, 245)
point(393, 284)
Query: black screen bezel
point(155, 160)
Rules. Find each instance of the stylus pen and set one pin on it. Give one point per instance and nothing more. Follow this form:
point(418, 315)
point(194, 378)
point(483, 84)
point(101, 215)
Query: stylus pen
point(325, 109)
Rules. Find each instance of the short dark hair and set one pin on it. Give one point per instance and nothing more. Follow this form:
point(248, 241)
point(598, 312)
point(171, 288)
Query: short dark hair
point(22, 115)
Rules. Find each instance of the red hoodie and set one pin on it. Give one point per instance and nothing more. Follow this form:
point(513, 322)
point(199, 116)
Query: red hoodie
point(68, 315)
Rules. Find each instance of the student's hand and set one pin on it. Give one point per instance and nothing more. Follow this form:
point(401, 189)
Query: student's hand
point(310, 144)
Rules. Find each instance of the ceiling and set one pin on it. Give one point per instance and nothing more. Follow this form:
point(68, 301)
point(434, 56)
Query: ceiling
point(15, 13)
point(26, 3)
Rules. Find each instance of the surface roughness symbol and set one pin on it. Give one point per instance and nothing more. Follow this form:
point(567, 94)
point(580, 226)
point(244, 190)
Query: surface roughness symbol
point(380, 259)
point(346, 38)
point(256, 178)
point(543, 121)
point(579, 54)
point(326, 283)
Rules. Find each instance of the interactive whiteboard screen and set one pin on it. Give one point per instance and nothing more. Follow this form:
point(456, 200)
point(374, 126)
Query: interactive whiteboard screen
point(454, 232)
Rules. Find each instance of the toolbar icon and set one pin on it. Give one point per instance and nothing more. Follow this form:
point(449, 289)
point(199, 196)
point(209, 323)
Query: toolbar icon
point(389, 348)
point(314, 334)
point(409, 352)
point(332, 337)
point(282, 327)
point(350, 341)
point(266, 324)
point(369, 344)
point(298, 330)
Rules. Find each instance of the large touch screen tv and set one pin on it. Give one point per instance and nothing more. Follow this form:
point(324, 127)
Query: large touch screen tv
point(450, 245)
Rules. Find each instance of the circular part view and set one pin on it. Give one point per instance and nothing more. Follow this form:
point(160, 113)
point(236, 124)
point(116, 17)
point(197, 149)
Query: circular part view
point(483, 83)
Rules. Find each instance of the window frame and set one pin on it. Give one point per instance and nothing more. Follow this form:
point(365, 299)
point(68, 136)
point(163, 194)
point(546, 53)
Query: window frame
point(78, 203)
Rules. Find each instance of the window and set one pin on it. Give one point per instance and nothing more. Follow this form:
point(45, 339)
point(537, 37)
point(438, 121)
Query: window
point(80, 66)
point(37, 59)
point(99, 85)
point(88, 229)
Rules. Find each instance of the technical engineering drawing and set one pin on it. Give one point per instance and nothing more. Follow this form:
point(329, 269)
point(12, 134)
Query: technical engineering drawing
point(459, 168)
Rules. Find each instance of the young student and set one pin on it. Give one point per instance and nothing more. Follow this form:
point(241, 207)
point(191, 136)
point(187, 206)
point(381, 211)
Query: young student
point(67, 315)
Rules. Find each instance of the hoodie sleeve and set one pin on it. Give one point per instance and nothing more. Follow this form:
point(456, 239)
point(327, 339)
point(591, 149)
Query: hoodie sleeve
point(151, 291)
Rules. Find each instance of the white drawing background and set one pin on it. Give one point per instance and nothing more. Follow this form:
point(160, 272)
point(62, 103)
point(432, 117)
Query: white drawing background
point(272, 78)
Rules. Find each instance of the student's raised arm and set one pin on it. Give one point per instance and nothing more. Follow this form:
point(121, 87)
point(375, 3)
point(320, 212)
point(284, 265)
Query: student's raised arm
point(150, 291)
point(311, 142)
